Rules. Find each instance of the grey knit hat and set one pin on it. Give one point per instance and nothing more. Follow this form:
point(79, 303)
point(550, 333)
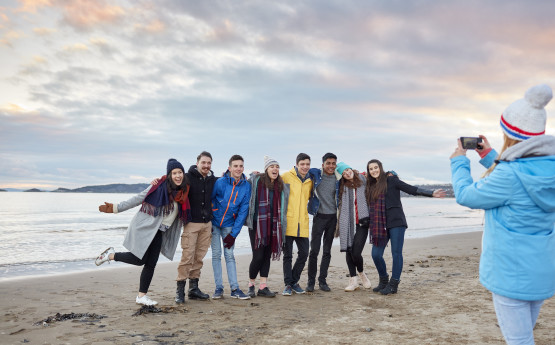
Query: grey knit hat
point(269, 161)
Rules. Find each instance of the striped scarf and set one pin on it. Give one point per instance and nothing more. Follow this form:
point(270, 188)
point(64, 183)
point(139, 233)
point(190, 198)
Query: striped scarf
point(268, 228)
point(378, 232)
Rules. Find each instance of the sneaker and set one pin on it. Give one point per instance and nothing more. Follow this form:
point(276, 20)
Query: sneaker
point(287, 291)
point(298, 289)
point(105, 256)
point(145, 300)
point(237, 293)
point(219, 293)
point(324, 287)
point(251, 292)
point(266, 293)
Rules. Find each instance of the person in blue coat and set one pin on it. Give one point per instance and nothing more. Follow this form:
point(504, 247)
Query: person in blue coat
point(230, 207)
point(517, 263)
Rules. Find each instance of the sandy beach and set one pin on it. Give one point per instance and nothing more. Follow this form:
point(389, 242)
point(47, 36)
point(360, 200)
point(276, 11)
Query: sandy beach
point(440, 301)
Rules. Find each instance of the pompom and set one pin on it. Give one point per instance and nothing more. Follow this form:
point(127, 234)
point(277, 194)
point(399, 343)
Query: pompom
point(538, 96)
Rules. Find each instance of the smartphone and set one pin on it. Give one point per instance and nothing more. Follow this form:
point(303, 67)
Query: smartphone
point(470, 143)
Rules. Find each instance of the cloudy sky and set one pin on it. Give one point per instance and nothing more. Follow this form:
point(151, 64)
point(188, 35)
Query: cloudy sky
point(97, 92)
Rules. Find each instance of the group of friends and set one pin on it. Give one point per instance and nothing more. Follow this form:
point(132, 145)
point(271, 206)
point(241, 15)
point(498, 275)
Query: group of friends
point(517, 192)
point(275, 208)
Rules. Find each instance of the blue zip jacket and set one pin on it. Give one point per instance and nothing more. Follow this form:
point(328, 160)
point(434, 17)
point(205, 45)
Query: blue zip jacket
point(230, 202)
point(314, 203)
point(518, 244)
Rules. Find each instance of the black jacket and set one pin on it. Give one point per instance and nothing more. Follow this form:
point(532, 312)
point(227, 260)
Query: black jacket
point(200, 194)
point(394, 214)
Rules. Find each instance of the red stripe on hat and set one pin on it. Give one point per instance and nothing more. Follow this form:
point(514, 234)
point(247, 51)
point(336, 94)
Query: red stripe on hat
point(518, 130)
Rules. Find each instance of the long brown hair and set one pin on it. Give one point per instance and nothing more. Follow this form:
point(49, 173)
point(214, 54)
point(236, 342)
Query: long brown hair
point(507, 142)
point(267, 181)
point(353, 184)
point(375, 187)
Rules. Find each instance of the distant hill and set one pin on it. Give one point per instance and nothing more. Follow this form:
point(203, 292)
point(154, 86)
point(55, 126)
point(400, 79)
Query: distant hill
point(109, 188)
point(3, 190)
point(447, 187)
point(33, 190)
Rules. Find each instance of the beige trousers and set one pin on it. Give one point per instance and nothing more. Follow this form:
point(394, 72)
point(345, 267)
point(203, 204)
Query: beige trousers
point(195, 241)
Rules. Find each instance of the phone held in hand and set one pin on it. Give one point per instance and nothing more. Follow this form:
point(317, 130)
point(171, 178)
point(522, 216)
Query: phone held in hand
point(470, 143)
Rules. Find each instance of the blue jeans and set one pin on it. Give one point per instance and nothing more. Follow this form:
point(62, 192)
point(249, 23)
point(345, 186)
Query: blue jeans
point(397, 238)
point(218, 234)
point(516, 318)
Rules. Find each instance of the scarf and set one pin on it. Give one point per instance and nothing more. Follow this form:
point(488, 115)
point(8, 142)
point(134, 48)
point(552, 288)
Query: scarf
point(352, 209)
point(158, 202)
point(268, 228)
point(378, 232)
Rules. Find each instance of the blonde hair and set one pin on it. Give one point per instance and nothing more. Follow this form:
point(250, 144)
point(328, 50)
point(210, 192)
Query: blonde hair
point(507, 142)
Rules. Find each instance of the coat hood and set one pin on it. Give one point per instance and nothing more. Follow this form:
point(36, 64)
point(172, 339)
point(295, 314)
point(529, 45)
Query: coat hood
point(535, 169)
point(227, 176)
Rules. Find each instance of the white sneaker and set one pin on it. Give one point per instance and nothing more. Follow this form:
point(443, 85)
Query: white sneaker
point(364, 280)
point(105, 256)
point(353, 284)
point(145, 300)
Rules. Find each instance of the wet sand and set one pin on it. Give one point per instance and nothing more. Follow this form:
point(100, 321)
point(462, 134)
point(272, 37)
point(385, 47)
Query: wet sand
point(440, 301)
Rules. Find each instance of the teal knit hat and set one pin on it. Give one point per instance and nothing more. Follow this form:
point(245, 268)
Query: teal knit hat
point(341, 167)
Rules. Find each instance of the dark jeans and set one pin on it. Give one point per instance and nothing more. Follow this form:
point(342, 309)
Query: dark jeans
point(397, 237)
point(260, 262)
point(291, 276)
point(354, 256)
point(149, 260)
point(322, 225)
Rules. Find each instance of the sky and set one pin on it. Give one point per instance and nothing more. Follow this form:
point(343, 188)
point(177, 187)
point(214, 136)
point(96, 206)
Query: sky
point(96, 92)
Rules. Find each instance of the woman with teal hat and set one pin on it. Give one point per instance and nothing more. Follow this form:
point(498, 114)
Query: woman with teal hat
point(352, 223)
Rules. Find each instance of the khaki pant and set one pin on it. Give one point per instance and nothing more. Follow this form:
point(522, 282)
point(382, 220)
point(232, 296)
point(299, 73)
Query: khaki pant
point(195, 240)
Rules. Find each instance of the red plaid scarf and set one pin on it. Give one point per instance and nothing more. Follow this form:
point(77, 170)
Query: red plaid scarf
point(378, 232)
point(268, 228)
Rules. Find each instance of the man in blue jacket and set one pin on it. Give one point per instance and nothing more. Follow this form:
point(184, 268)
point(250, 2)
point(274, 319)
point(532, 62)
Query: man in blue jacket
point(323, 207)
point(230, 207)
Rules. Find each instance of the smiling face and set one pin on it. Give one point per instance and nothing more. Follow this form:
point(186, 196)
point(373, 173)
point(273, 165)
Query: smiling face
point(236, 169)
point(177, 176)
point(273, 172)
point(329, 166)
point(204, 164)
point(303, 167)
point(348, 174)
point(374, 170)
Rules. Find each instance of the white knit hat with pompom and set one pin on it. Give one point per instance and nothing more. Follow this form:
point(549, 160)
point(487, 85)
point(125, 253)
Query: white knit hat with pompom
point(526, 117)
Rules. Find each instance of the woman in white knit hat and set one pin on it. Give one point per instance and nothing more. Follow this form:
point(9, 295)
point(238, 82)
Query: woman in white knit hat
point(518, 195)
point(267, 222)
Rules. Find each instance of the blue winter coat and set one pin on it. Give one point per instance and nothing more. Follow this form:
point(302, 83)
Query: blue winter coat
point(230, 202)
point(518, 244)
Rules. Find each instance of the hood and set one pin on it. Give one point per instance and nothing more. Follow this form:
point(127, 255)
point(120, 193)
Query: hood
point(227, 176)
point(194, 171)
point(537, 175)
point(542, 145)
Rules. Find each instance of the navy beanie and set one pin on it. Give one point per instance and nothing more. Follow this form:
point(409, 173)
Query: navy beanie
point(174, 164)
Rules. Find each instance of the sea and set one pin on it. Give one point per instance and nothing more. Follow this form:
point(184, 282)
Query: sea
point(60, 233)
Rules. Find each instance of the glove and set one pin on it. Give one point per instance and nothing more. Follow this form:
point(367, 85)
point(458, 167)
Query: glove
point(229, 241)
point(107, 208)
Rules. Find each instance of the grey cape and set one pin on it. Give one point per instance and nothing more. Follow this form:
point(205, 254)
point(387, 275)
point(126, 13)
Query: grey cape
point(144, 227)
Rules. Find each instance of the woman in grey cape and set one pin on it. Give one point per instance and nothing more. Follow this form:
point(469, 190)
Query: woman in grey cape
point(155, 228)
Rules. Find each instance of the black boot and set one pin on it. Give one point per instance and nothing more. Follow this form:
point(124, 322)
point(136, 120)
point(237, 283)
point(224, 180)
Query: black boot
point(194, 291)
point(180, 292)
point(383, 283)
point(391, 288)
